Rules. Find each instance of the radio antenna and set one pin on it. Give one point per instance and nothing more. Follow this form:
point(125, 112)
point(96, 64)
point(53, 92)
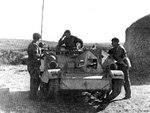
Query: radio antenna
point(42, 20)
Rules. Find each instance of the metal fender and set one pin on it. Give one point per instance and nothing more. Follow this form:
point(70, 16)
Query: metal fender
point(116, 74)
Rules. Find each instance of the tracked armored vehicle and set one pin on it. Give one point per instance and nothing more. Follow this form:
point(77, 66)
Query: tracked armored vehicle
point(79, 71)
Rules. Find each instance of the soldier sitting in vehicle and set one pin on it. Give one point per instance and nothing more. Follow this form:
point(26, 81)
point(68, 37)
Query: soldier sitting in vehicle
point(69, 42)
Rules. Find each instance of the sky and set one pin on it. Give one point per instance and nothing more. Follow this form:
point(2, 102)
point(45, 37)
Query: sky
point(94, 21)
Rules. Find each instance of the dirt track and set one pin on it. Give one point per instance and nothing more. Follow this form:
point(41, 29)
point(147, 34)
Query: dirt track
point(16, 78)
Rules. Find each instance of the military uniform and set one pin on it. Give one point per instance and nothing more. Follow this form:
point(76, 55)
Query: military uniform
point(120, 55)
point(70, 42)
point(33, 67)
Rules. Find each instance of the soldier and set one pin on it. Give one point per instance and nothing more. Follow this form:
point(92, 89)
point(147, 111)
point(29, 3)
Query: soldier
point(118, 52)
point(33, 66)
point(70, 42)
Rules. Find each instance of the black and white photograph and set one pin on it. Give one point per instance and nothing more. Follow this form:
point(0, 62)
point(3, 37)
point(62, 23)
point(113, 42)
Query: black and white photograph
point(74, 56)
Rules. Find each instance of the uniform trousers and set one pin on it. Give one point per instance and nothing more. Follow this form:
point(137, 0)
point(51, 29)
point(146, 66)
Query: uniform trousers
point(34, 72)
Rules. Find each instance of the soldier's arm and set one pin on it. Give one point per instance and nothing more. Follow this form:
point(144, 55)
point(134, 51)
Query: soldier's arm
point(80, 41)
point(35, 51)
point(61, 40)
point(121, 53)
point(110, 51)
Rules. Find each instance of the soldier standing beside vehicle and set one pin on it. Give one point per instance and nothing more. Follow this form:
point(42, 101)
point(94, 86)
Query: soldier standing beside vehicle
point(118, 52)
point(33, 66)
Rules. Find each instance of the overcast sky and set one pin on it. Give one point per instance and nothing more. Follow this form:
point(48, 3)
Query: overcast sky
point(91, 20)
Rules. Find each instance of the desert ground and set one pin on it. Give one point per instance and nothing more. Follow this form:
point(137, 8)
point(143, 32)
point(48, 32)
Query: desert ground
point(14, 84)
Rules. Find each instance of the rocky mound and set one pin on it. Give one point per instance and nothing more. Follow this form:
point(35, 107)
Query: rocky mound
point(137, 44)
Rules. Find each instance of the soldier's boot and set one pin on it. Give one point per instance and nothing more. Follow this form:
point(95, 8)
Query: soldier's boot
point(127, 87)
point(127, 92)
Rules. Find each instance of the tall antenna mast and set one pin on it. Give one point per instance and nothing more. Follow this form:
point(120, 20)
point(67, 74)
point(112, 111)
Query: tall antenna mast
point(42, 20)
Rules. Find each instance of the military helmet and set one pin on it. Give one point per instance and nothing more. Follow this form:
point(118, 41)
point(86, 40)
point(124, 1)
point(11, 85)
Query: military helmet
point(67, 32)
point(115, 39)
point(36, 36)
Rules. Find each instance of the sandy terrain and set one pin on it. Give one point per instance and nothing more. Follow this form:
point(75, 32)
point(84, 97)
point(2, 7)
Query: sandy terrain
point(16, 78)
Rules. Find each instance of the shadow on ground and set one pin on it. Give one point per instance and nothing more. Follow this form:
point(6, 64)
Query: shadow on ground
point(18, 102)
point(102, 106)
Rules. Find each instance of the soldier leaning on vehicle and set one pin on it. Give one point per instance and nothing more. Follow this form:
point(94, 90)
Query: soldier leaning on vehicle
point(118, 52)
point(33, 66)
